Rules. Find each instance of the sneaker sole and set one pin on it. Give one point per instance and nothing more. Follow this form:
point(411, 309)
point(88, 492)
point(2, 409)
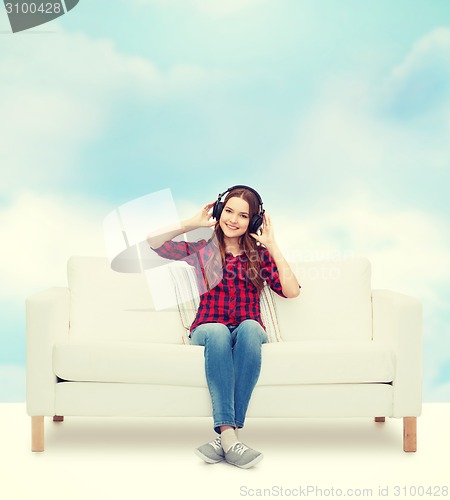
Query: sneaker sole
point(250, 464)
point(208, 460)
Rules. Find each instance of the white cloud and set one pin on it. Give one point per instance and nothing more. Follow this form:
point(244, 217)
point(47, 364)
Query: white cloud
point(337, 135)
point(60, 92)
point(416, 96)
point(426, 61)
point(357, 131)
point(408, 248)
point(57, 92)
point(40, 233)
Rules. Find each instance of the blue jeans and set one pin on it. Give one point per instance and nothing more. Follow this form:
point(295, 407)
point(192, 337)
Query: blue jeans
point(232, 365)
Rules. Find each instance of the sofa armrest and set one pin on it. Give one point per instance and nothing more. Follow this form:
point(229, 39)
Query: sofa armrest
point(47, 321)
point(397, 322)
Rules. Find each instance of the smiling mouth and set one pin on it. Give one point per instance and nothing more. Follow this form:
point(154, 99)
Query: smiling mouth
point(233, 228)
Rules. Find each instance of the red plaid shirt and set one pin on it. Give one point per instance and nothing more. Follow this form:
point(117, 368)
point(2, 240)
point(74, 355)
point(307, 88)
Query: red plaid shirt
point(234, 298)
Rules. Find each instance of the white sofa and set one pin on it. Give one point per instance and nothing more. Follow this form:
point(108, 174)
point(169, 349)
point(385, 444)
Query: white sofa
point(99, 348)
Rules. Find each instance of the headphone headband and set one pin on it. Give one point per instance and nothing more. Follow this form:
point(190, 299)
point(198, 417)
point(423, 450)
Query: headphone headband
point(261, 210)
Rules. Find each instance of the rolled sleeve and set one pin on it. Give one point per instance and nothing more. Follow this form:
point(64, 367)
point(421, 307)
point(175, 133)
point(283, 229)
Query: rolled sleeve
point(179, 250)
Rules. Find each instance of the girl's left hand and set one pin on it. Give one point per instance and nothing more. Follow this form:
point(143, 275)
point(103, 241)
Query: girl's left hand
point(266, 237)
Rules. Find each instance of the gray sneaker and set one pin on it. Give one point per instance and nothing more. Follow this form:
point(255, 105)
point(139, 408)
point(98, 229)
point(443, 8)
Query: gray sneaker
point(211, 452)
point(242, 456)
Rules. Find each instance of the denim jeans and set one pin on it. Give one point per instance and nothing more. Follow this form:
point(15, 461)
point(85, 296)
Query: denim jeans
point(232, 365)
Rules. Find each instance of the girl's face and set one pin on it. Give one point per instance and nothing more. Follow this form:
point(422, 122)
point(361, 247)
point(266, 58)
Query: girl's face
point(235, 217)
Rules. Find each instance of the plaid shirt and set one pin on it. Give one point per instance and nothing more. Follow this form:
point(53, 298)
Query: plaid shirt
point(234, 298)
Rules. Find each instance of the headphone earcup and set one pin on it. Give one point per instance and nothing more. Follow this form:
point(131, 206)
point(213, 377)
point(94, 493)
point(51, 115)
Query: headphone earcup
point(217, 209)
point(255, 223)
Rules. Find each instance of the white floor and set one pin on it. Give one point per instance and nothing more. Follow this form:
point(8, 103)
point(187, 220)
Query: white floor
point(139, 458)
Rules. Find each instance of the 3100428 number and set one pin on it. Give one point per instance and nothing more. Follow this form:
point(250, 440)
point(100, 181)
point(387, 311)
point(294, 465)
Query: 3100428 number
point(33, 8)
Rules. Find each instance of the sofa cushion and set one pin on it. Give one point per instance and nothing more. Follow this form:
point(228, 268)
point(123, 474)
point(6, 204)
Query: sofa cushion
point(327, 362)
point(335, 302)
point(129, 362)
point(283, 363)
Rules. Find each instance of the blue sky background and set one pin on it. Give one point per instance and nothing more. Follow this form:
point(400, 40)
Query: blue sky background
point(338, 113)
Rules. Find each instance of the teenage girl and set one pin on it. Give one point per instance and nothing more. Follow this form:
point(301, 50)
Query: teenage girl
point(232, 268)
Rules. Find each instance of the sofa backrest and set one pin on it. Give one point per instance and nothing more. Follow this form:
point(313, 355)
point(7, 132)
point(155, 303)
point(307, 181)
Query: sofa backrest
point(108, 305)
point(334, 304)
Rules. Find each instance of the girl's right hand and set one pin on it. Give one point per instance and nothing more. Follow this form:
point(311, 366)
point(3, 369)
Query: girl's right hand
point(201, 219)
point(204, 218)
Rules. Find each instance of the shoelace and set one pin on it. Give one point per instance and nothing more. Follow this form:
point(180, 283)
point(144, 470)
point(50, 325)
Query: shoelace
point(239, 448)
point(216, 444)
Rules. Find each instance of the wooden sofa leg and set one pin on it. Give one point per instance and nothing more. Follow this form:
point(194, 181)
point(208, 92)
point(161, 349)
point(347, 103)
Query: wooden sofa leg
point(58, 418)
point(380, 419)
point(37, 433)
point(409, 433)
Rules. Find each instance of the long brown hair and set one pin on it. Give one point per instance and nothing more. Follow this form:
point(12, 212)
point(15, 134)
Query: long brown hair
point(214, 266)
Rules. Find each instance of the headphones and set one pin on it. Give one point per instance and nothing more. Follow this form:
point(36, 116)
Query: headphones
point(255, 222)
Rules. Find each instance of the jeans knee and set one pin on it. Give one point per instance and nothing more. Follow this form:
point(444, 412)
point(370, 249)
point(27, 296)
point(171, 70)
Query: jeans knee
point(251, 324)
point(218, 335)
point(214, 332)
point(252, 332)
